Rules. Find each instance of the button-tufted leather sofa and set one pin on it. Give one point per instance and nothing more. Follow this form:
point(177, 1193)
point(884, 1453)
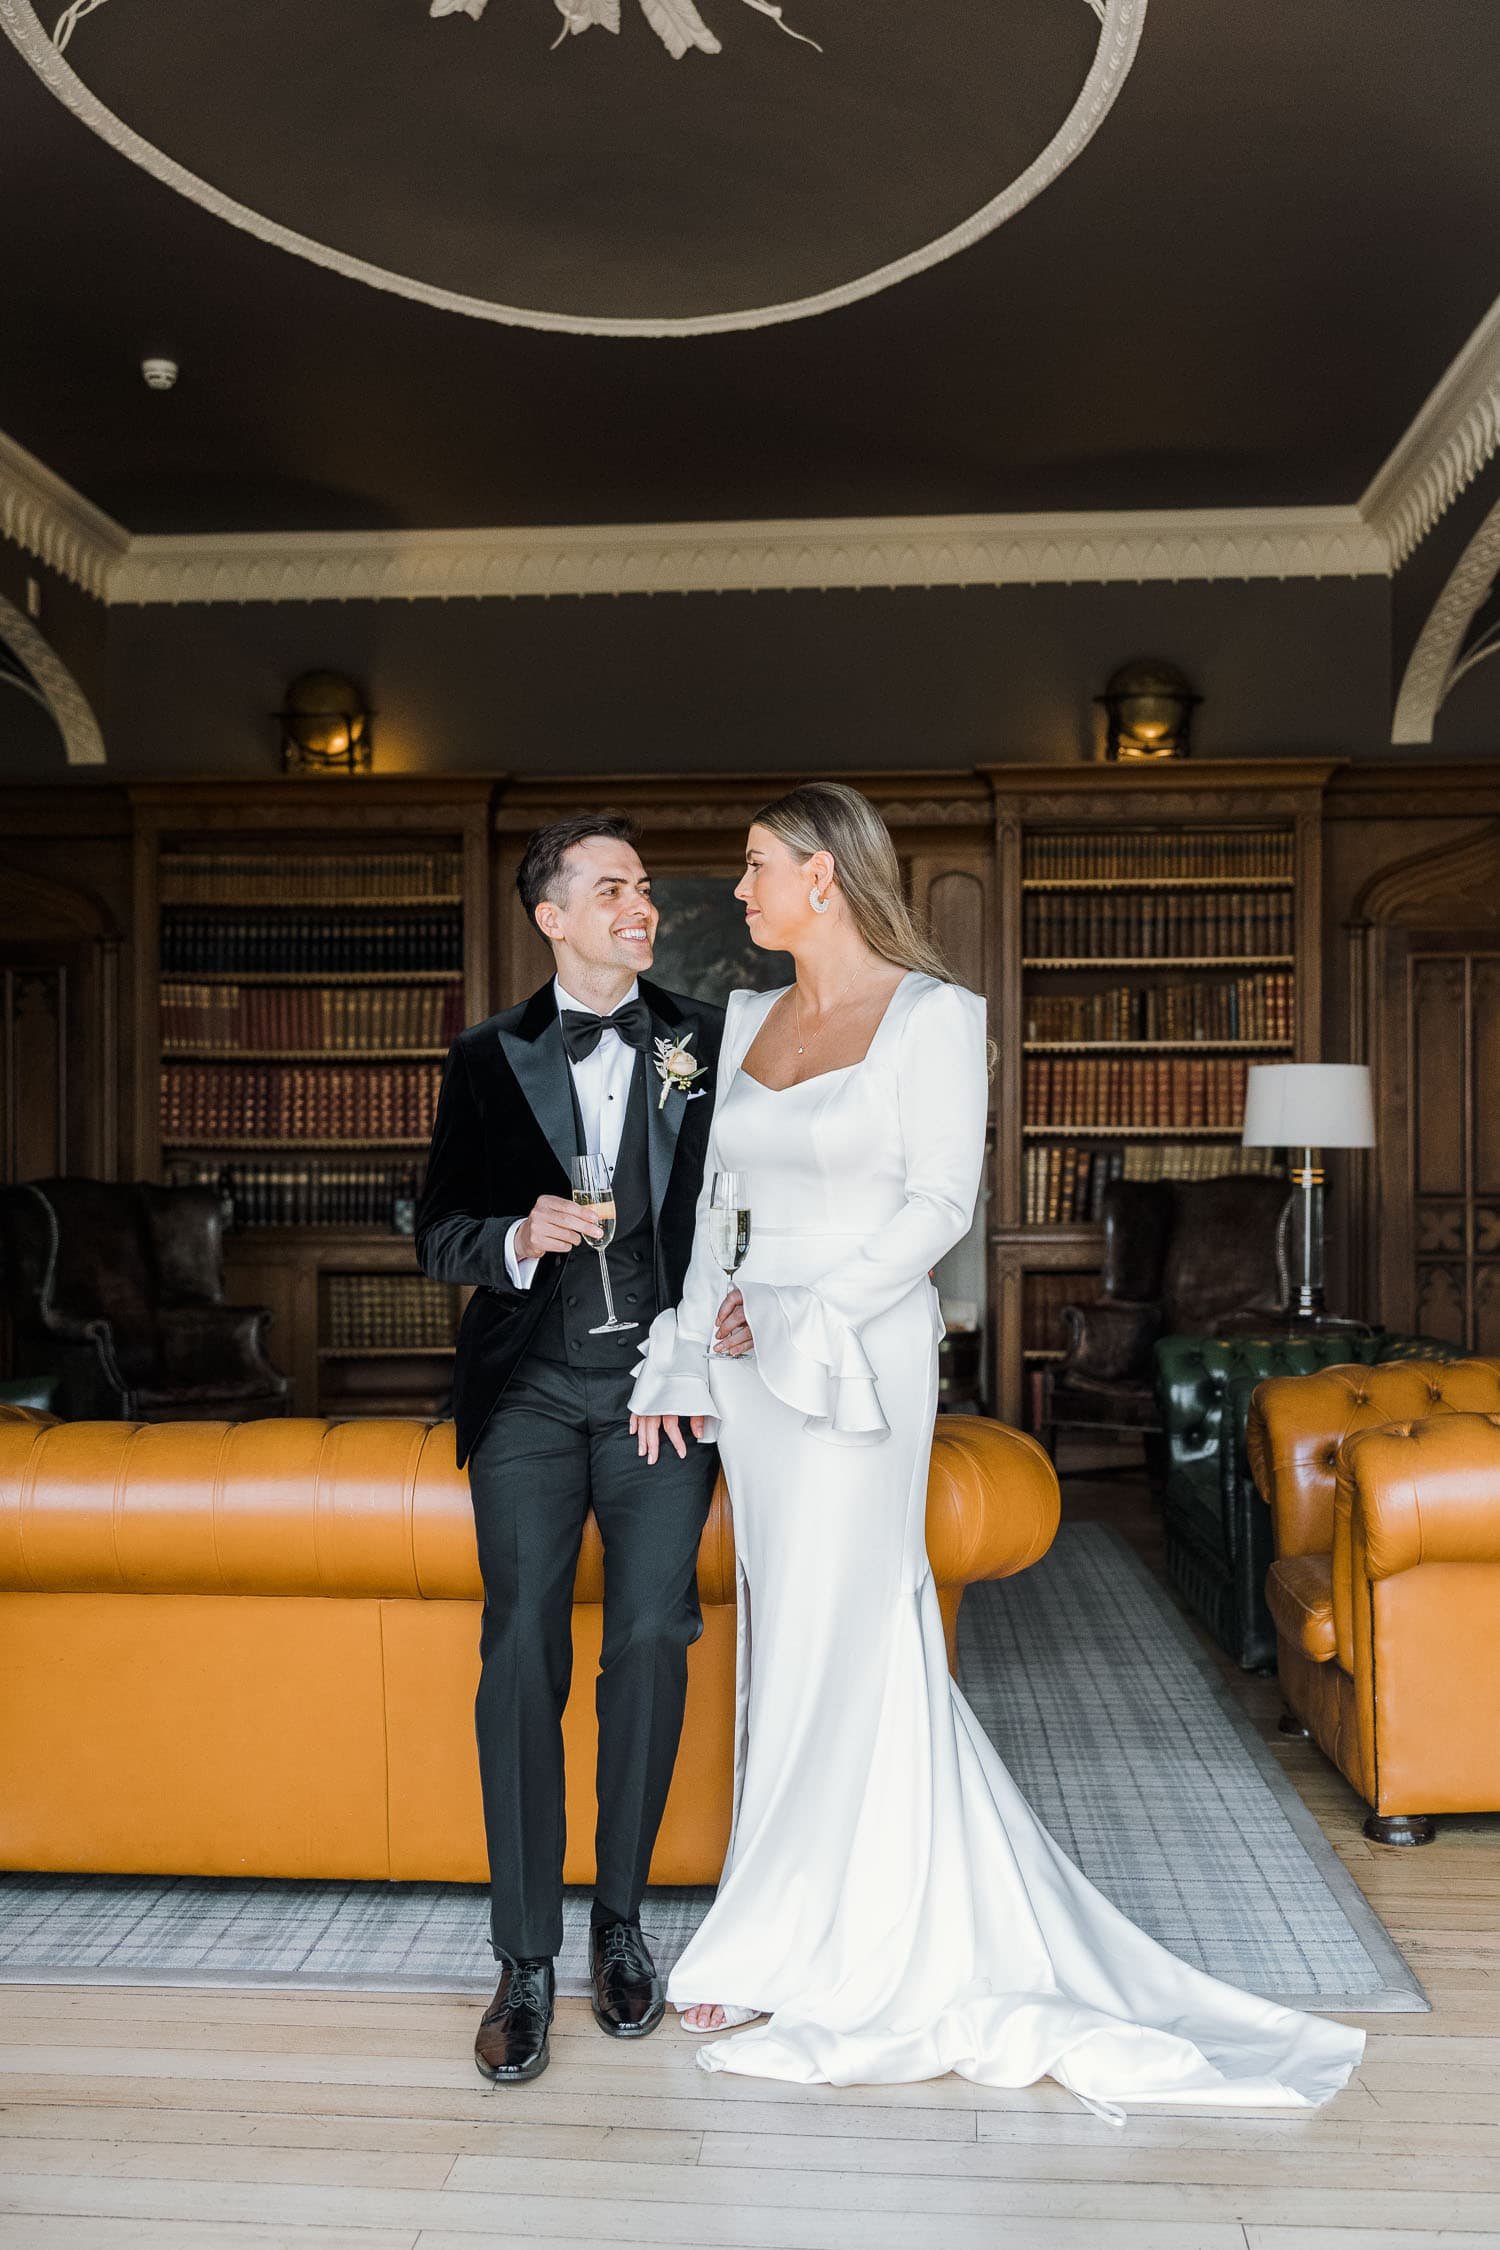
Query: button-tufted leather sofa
point(1218, 1533)
point(1384, 1490)
point(252, 1649)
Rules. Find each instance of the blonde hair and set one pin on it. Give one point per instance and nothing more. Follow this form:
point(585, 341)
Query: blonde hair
point(829, 816)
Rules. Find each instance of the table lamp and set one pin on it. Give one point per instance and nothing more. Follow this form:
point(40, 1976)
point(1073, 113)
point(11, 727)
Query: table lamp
point(1307, 1107)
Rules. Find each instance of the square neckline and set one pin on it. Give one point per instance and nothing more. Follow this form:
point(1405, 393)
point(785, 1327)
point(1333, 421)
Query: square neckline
point(840, 1070)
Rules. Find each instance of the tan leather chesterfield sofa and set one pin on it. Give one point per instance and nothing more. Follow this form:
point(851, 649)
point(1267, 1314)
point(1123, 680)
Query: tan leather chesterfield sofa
point(1384, 1487)
point(252, 1650)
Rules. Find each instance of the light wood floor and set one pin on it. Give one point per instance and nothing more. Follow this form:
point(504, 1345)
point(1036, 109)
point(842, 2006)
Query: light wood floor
point(176, 2120)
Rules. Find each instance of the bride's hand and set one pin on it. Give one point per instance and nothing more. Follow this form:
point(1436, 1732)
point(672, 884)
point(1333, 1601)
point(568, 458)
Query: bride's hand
point(732, 1335)
point(647, 1430)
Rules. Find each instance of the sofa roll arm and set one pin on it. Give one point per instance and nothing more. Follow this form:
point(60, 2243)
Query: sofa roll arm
point(993, 1501)
point(215, 1343)
point(1426, 1492)
point(1110, 1340)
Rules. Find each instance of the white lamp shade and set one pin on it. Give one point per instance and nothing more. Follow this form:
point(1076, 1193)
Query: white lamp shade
point(1308, 1105)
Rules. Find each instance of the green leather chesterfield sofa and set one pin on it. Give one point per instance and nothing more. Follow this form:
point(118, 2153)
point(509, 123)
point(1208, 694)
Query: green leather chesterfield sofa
point(1218, 1529)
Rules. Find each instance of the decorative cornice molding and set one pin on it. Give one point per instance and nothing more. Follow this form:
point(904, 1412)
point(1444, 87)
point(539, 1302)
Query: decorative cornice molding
point(42, 513)
point(1453, 434)
point(716, 558)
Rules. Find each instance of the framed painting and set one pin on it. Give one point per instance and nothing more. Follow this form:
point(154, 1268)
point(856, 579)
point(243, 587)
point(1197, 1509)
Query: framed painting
point(703, 947)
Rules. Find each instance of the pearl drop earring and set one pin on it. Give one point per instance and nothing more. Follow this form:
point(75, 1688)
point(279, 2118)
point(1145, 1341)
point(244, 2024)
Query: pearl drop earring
point(818, 905)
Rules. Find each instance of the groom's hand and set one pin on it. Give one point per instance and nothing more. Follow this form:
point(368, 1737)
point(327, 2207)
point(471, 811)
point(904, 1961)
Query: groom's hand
point(553, 1223)
point(647, 1430)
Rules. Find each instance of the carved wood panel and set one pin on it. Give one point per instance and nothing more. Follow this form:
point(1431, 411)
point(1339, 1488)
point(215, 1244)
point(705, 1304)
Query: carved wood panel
point(33, 1071)
point(1439, 1150)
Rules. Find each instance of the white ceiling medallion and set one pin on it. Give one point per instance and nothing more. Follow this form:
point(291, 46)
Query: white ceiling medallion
point(1120, 21)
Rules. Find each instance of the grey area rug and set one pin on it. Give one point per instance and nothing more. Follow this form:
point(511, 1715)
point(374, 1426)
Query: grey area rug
point(1113, 1720)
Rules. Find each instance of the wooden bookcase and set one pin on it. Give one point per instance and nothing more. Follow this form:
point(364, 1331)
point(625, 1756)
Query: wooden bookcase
point(306, 952)
point(1158, 930)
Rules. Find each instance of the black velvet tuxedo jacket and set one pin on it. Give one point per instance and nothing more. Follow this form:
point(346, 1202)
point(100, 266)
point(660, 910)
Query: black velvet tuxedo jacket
point(504, 1134)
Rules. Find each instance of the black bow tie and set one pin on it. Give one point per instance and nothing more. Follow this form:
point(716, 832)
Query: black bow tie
point(582, 1033)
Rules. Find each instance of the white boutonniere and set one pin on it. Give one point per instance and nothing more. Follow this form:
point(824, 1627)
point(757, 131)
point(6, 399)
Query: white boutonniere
point(677, 1067)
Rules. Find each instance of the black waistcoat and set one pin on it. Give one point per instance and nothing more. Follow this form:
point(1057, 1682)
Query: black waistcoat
point(578, 1305)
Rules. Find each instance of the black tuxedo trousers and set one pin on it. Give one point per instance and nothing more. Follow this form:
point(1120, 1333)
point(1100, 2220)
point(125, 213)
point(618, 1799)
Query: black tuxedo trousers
point(558, 1446)
point(547, 1442)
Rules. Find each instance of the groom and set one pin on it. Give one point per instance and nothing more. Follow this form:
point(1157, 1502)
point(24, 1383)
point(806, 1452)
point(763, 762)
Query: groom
point(541, 1403)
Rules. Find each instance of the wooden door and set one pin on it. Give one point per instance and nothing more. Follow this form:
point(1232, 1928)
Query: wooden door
point(59, 1032)
point(1442, 1273)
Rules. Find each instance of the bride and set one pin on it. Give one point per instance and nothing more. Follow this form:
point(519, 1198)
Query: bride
point(890, 1904)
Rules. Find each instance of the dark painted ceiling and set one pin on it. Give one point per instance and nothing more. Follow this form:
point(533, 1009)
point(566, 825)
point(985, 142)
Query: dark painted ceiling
point(1238, 295)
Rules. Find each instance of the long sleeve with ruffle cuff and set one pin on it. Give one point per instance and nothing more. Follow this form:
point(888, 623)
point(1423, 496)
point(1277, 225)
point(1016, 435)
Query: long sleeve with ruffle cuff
point(671, 1377)
point(811, 1359)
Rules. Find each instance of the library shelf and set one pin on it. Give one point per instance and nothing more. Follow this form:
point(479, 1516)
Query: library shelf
point(1161, 961)
point(1156, 1046)
point(342, 1055)
point(1157, 882)
point(312, 976)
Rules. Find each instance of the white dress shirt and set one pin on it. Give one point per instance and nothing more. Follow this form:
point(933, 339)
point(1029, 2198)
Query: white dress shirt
point(602, 1084)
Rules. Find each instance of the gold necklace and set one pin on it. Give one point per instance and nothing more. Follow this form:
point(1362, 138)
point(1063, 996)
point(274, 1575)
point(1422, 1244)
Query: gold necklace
point(797, 1006)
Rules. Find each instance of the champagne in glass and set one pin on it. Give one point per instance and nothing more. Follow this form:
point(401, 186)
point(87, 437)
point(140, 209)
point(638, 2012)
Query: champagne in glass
point(593, 1189)
point(729, 1223)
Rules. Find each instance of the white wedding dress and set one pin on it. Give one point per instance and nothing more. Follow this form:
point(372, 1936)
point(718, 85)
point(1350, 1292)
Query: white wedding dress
point(890, 1902)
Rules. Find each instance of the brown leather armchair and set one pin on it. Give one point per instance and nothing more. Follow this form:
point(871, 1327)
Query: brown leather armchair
point(1384, 1490)
point(1181, 1258)
point(116, 1289)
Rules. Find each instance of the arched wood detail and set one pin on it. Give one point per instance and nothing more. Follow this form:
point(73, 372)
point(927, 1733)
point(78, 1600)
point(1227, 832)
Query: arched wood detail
point(1453, 886)
point(36, 906)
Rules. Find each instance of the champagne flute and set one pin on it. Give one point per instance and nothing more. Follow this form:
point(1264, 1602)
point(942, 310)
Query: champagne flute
point(729, 1227)
point(593, 1189)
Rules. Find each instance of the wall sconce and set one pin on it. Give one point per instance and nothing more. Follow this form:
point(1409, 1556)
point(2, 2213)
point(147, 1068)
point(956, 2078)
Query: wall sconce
point(325, 727)
point(1150, 708)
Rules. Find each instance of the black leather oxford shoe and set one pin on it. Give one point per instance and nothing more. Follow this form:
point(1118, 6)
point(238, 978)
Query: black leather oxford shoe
point(511, 2043)
point(627, 1993)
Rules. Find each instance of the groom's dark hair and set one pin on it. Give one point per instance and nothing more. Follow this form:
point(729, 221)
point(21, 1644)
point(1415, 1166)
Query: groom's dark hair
point(541, 873)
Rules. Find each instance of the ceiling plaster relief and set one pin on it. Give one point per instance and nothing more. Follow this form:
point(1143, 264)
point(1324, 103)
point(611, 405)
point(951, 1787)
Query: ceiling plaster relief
point(56, 689)
point(1120, 27)
point(1440, 658)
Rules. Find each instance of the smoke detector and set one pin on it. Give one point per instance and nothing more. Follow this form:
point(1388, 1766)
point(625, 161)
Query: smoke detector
point(160, 374)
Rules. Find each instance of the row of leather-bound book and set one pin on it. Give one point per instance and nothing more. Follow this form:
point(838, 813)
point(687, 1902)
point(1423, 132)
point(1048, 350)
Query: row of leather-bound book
point(273, 944)
point(1258, 1005)
point(305, 1192)
point(386, 1312)
point(1063, 1182)
point(1173, 856)
point(253, 879)
point(1152, 925)
point(293, 1018)
point(1133, 1090)
point(289, 1102)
